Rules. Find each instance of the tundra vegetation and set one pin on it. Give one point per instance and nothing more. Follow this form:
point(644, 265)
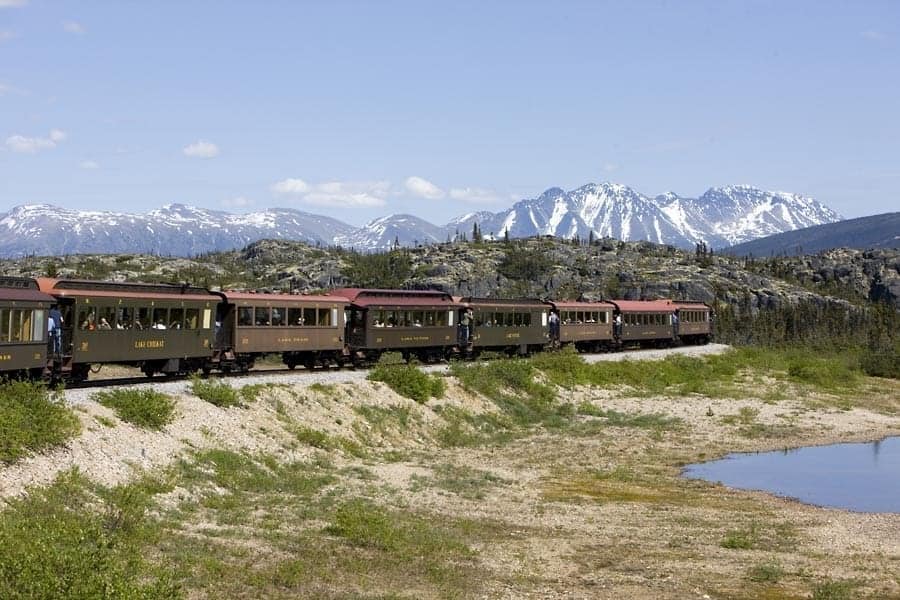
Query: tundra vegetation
point(538, 477)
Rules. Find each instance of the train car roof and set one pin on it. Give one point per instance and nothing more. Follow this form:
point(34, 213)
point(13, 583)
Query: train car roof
point(121, 289)
point(530, 302)
point(644, 305)
point(369, 297)
point(692, 305)
point(23, 289)
point(284, 298)
point(572, 305)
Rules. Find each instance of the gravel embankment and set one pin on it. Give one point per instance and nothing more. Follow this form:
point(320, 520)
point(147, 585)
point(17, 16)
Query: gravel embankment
point(77, 396)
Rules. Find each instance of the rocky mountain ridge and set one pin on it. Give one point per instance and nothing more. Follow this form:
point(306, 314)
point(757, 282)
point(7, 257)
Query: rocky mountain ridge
point(535, 267)
point(720, 217)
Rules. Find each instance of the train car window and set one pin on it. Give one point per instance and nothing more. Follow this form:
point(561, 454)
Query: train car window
point(176, 318)
point(443, 318)
point(429, 319)
point(526, 319)
point(4, 324)
point(261, 316)
point(160, 318)
point(309, 317)
point(191, 318)
point(517, 319)
point(107, 316)
point(124, 318)
point(207, 318)
point(38, 327)
point(324, 318)
point(143, 318)
point(245, 316)
point(87, 319)
point(278, 317)
point(295, 317)
point(390, 318)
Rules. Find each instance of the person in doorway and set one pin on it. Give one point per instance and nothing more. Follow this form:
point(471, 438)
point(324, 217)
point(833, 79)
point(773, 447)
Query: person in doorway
point(554, 328)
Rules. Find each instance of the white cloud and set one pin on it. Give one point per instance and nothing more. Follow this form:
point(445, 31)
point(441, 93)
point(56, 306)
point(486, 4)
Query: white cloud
point(476, 195)
point(33, 145)
point(290, 187)
point(12, 3)
point(6, 34)
point(89, 164)
point(610, 167)
point(339, 194)
point(201, 149)
point(73, 27)
point(875, 36)
point(238, 202)
point(423, 188)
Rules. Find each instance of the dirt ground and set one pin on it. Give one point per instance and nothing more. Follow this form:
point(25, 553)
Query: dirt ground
point(598, 512)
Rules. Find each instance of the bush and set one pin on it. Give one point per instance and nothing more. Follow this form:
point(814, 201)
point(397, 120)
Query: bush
point(215, 392)
point(63, 542)
point(145, 408)
point(882, 362)
point(409, 381)
point(32, 420)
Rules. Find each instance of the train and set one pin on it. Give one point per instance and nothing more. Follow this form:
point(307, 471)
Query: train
point(63, 329)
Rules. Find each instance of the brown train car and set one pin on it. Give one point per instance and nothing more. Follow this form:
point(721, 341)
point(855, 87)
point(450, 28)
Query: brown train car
point(305, 329)
point(160, 328)
point(416, 323)
point(645, 322)
point(510, 326)
point(694, 322)
point(586, 325)
point(23, 328)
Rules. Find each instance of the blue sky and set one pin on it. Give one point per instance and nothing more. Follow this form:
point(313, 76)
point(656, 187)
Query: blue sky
point(361, 109)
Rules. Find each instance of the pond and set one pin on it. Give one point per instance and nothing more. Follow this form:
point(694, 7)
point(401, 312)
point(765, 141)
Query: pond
point(859, 477)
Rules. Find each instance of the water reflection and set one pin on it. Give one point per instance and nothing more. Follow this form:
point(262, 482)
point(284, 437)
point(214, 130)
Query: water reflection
point(860, 477)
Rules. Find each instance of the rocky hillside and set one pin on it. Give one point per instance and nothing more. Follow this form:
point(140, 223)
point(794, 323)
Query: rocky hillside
point(536, 267)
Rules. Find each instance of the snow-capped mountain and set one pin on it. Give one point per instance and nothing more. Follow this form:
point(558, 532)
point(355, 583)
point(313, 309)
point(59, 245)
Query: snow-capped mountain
point(721, 217)
point(385, 232)
point(175, 229)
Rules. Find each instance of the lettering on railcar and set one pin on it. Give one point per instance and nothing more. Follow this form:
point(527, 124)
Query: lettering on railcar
point(149, 344)
point(5, 357)
point(513, 336)
point(289, 340)
point(415, 338)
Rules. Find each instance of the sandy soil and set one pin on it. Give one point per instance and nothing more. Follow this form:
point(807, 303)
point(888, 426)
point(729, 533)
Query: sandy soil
point(604, 515)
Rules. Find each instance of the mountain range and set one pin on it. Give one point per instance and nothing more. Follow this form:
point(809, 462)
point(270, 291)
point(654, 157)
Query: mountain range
point(877, 231)
point(720, 217)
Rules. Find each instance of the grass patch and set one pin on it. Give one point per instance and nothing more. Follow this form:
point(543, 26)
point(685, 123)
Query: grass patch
point(326, 389)
point(32, 419)
point(324, 441)
point(618, 485)
point(835, 590)
point(384, 418)
point(144, 408)
point(466, 482)
point(769, 571)
point(252, 392)
point(761, 536)
point(464, 429)
point(409, 381)
point(72, 541)
point(215, 392)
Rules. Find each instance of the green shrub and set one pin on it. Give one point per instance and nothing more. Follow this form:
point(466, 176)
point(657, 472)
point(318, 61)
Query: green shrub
point(62, 542)
point(32, 420)
point(215, 392)
point(142, 407)
point(766, 572)
point(409, 381)
point(835, 590)
point(881, 362)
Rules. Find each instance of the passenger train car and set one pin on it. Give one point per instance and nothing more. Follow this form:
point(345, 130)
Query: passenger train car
point(413, 322)
point(23, 327)
point(174, 329)
point(159, 328)
point(305, 330)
